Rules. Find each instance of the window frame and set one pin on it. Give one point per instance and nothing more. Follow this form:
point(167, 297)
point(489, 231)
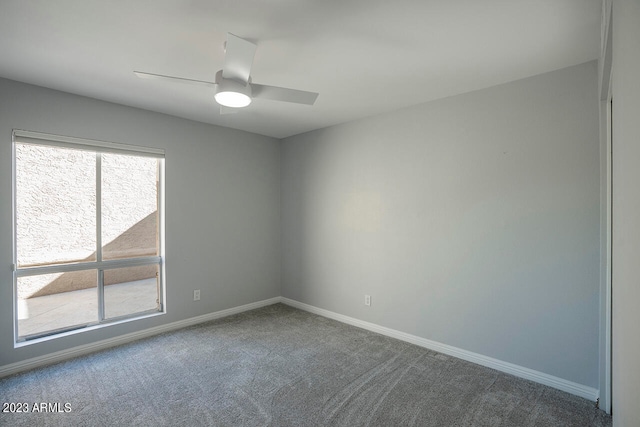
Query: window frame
point(98, 147)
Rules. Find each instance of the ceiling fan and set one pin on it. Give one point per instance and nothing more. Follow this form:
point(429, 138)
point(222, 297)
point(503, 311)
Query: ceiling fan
point(233, 86)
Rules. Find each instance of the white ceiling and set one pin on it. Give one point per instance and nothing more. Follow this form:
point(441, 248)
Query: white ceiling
point(364, 57)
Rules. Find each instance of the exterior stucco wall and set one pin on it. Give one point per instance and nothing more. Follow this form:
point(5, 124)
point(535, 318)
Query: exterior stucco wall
point(56, 214)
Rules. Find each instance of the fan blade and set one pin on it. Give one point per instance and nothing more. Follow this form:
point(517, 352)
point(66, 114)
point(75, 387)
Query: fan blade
point(238, 58)
point(143, 75)
point(275, 93)
point(228, 110)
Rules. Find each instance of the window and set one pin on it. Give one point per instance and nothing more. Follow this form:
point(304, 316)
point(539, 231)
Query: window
point(87, 233)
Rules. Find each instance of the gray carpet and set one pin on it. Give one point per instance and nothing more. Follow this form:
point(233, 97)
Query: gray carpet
point(279, 366)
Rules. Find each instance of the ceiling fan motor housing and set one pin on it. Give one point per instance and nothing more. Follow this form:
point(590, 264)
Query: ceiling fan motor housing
point(231, 93)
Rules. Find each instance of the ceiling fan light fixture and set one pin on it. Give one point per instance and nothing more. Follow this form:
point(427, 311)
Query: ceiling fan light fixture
point(232, 99)
point(231, 93)
point(233, 87)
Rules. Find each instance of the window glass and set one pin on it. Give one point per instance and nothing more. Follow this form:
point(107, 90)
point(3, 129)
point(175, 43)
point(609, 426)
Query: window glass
point(129, 206)
point(57, 302)
point(87, 234)
point(130, 290)
point(55, 205)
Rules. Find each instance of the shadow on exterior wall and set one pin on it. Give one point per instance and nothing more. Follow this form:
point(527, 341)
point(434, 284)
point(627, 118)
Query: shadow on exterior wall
point(139, 240)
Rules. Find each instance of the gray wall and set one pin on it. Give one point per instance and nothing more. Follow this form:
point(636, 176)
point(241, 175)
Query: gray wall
point(222, 205)
point(626, 214)
point(472, 221)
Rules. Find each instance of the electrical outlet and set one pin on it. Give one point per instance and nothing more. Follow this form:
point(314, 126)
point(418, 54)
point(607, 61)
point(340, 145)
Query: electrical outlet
point(367, 300)
point(196, 295)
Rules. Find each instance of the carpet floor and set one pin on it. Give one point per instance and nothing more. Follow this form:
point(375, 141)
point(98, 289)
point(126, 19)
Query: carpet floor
point(279, 366)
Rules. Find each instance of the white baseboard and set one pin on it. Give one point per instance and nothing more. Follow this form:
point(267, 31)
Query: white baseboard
point(584, 391)
point(59, 356)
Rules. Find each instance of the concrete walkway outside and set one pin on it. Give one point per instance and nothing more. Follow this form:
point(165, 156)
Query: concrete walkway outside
point(66, 309)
